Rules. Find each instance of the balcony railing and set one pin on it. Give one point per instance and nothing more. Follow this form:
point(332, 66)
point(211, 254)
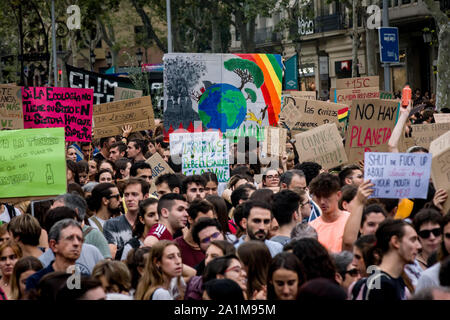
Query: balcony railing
point(267, 35)
point(329, 23)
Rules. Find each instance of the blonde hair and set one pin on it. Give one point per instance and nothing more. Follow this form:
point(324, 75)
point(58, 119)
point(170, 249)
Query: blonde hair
point(153, 277)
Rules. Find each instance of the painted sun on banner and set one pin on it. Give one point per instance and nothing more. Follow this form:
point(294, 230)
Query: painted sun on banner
point(236, 93)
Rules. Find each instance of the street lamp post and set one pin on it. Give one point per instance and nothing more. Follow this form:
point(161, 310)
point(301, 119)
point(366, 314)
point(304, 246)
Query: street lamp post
point(139, 55)
point(92, 60)
point(109, 59)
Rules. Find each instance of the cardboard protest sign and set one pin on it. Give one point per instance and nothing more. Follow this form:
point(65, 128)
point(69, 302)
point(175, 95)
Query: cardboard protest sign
point(441, 117)
point(11, 113)
point(440, 168)
point(370, 126)
point(102, 84)
point(398, 175)
point(159, 165)
point(322, 145)
point(32, 162)
point(301, 115)
point(110, 117)
point(308, 95)
point(48, 107)
point(346, 96)
point(201, 152)
point(423, 134)
point(274, 141)
point(238, 94)
point(405, 143)
point(358, 83)
point(125, 93)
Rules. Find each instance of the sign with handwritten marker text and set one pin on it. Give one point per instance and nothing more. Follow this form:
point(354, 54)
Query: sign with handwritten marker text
point(398, 175)
point(11, 115)
point(49, 107)
point(32, 162)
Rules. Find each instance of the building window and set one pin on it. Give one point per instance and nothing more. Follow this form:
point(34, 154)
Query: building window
point(237, 35)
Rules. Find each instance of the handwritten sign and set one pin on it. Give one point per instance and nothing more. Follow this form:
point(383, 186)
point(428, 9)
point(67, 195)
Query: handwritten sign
point(11, 114)
point(301, 115)
point(322, 145)
point(274, 141)
point(370, 126)
point(48, 107)
point(125, 93)
point(423, 134)
point(308, 95)
point(110, 117)
point(201, 152)
point(32, 162)
point(441, 117)
point(440, 168)
point(358, 83)
point(159, 165)
point(398, 175)
point(346, 96)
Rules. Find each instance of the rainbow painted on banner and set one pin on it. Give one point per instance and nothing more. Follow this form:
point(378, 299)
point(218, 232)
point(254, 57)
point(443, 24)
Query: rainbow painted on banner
point(271, 67)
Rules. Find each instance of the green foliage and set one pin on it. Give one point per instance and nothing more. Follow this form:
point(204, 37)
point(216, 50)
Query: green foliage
point(251, 94)
point(247, 70)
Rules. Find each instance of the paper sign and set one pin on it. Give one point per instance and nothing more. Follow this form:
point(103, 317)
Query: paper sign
point(110, 117)
point(159, 165)
point(440, 169)
point(322, 145)
point(32, 162)
point(358, 83)
point(274, 141)
point(423, 134)
point(441, 117)
point(346, 96)
point(125, 93)
point(48, 107)
point(398, 175)
point(308, 95)
point(370, 126)
point(11, 113)
point(201, 152)
point(301, 115)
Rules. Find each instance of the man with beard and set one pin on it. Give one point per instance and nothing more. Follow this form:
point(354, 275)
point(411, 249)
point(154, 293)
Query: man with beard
point(104, 202)
point(256, 221)
point(193, 188)
point(118, 231)
point(65, 240)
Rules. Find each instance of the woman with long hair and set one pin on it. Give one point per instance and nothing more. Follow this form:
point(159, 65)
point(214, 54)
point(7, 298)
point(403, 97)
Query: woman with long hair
point(10, 252)
point(24, 268)
point(162, 275)
point(285, 277)
point(256, 258)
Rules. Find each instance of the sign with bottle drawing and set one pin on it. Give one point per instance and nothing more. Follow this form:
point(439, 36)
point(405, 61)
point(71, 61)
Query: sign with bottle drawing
point(32, 162)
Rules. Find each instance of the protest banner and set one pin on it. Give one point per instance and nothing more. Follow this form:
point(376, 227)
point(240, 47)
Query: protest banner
point(200, 152)
point(32, 163)
point(274, 141)
point(423, 134)
point(301, 115)
point(322, 145)
point(11, 113)
point(346, 96)
point(159, 165)
point(238, 94)
point(398, 175)
point(441, 117)
point(102, 84)
point(49, 107)
point(358, 83)
point(308, 95)
point(405, 143)
point(440, 167)
point(110, 117)
point(370, 126)
point(125, 93)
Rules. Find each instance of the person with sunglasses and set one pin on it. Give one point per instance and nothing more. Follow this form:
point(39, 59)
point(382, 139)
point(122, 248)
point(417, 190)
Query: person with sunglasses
point(430, 277)
point(347, 272)
point(427, 224)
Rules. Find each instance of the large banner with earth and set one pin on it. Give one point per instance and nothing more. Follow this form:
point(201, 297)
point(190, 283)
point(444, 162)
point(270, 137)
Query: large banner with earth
point(239, 94)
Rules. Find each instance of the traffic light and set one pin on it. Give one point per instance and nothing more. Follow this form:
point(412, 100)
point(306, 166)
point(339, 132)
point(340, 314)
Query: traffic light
point(59, 74)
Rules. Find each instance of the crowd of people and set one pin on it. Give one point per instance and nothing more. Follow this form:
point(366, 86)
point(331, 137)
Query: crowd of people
point(300, 233)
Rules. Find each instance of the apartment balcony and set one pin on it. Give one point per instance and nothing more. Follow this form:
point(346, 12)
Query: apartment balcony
point(329, 23)
point(267, 36)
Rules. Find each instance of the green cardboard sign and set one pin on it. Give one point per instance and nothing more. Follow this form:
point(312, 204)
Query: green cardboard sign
point(32, 162)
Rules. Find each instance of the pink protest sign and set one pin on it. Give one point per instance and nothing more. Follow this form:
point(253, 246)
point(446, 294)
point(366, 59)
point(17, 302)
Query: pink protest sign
point(59, 107)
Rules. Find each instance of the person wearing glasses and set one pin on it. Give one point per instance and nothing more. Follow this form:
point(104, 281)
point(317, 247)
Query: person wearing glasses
point(271, 180)
point(104, 202)
point(65, 240)
point(427, 223)
point(430, 277)
point(351, 174)
point(347, 272)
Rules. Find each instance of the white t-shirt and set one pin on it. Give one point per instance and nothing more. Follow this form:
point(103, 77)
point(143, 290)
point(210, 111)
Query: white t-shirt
point(4, 216)
point(94, 225)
